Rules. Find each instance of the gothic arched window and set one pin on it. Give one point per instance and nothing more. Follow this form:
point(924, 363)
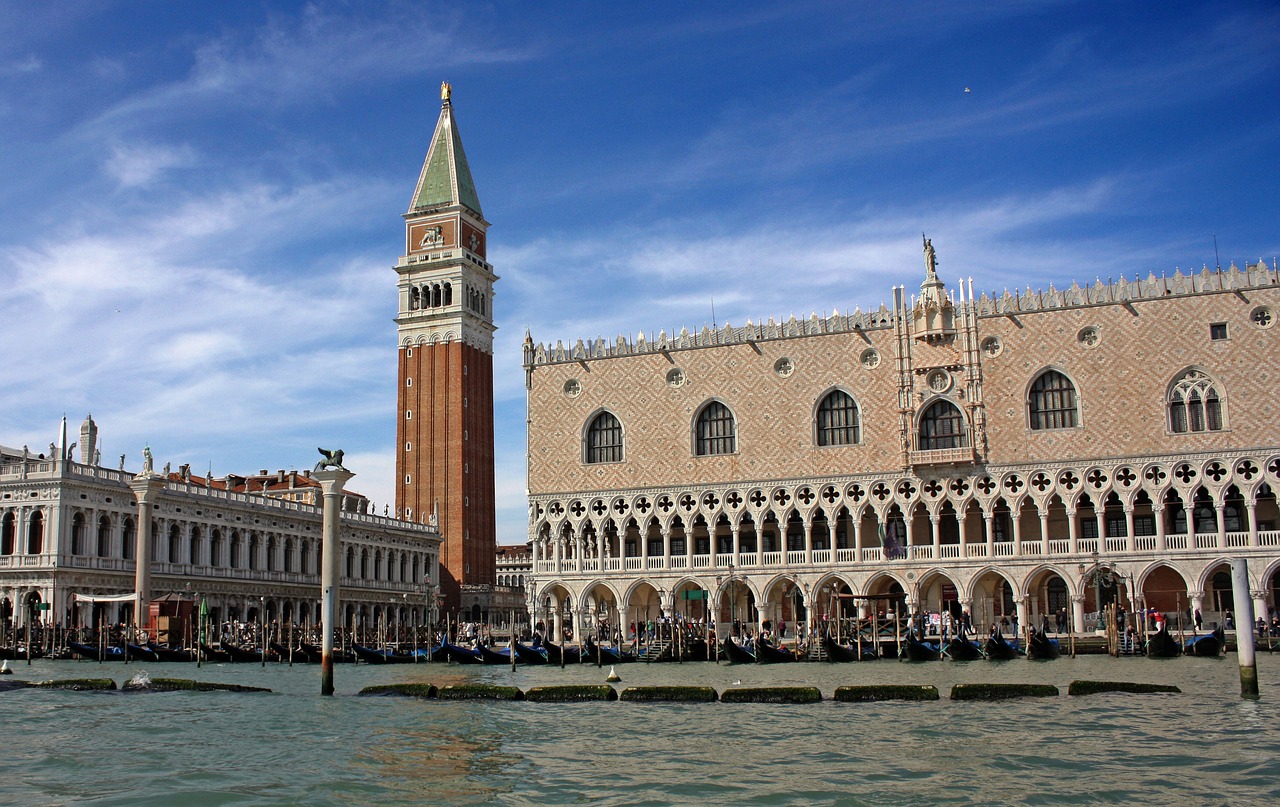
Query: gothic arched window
point(837, 420)
point(1194, 404)
point(941, 426)
point(604, 439)
point(1052, 402)
point(716, 431)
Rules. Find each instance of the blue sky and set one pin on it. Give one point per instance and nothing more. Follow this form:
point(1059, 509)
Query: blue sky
point(201, 202)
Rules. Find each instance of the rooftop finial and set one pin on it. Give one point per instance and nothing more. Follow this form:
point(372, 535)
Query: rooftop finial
point(446, 90)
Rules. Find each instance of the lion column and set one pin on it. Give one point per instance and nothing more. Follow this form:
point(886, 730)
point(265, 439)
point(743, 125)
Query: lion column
point(331, 482)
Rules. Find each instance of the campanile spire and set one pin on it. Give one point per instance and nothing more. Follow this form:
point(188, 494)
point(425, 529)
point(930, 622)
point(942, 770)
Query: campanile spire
point(445, 331)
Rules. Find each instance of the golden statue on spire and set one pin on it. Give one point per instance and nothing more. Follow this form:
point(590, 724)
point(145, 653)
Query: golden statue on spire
point(446, 90)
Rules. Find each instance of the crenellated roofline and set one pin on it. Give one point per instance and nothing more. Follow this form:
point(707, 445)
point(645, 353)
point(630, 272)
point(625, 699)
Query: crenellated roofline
point(1119, 292)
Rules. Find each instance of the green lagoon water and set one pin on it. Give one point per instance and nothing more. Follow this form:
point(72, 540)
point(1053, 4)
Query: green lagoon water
point(1204, 746)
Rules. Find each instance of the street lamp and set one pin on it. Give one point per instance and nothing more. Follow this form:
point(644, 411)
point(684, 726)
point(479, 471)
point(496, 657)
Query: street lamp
point(262, 629)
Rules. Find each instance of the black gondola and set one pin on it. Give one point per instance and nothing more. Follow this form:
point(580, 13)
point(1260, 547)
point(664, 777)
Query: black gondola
point(138, 652)
point(531, 655)
point(962, 648)
point(496, 657)
point(371, 655)
point(461, 655)
point(296, 655)
point(555, 651)
point(1161, 645)
point(604, 654)
point(1041, 647)
point(737, 654)
point(339, 657)
point(1001, 649)
point(768, 654)
point(1210, 644)
point(111, 652)
point(172, 653)
point(917, 650)
point(245, 655)
point(838, 652)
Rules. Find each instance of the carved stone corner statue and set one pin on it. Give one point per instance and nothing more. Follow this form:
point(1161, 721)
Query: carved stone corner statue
point(331, 459)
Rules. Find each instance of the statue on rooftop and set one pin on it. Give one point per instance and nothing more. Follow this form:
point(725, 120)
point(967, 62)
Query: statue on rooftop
point(148, 462)
point(330, 459)
point(930, 258)
point(446, 90)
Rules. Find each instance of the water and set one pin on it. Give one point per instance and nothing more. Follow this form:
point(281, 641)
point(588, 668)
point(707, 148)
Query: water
point(1205, 746)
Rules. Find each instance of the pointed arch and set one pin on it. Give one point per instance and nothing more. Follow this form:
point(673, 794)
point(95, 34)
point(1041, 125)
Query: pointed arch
point(602, 439)
point(1052, 402)
point(715, 430)
point(836, 419)
point(1195, 403)
point(941, 426)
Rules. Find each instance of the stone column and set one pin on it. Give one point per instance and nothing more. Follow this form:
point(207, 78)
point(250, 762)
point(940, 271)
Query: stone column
point(1016, 520)
point(989, 522)
point(962, 522)
point(1252, 507)
point(146, 489)
point(1220, 511)
point(1197, 604)
point(1024, 614)
point(1100, 518)
point(737, 543)
point(666, 545)
point(760, 618)
point(808, 541)
point(1073, 532)
point(1157, 512)
point(1259, 604)
point(1131, 540)
point(331, 482)
point(1077, 613)
point(935, 534)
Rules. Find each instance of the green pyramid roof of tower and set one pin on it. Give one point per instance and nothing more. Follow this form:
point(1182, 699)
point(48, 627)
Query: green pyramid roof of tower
point(446, 177)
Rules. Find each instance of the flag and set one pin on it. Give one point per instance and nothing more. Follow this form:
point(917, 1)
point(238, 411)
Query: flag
point(889, 543)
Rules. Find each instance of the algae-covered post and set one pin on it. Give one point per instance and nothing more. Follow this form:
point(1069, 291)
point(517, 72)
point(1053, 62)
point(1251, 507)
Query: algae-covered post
point(331, 481)
point(1244, 628)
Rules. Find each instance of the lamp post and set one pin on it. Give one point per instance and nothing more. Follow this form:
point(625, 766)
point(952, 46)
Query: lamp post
point(414, 619)
point(262, 629)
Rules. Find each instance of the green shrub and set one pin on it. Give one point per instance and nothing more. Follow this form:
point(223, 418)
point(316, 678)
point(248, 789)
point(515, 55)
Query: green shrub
point(473, 692)
point(886, 692)
point(771, 695)
point(1095, 687)
point(657, 694)
point(572, 693)
point(999, 692)
point(78, 684)
point(184, 685)
point(405, 690)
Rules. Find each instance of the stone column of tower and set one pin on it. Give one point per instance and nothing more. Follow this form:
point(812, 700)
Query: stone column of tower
point(444, 453)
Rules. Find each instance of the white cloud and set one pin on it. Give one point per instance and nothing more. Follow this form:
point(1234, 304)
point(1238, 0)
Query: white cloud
point(140, 164)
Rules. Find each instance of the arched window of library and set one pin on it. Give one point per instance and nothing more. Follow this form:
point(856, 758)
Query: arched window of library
point(838, 420)
point(604, 439)
point(1052, 402)
point(942, 427)
point(1195, 404)
point(716, 431)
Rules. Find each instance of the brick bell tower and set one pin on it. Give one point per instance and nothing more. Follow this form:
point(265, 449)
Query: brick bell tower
point(444, 455)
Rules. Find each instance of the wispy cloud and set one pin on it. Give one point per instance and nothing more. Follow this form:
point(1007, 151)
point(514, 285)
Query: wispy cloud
point(142, 164)
point(318, 55)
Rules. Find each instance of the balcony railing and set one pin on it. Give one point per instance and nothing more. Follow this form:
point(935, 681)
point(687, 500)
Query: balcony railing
point(977, 550)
